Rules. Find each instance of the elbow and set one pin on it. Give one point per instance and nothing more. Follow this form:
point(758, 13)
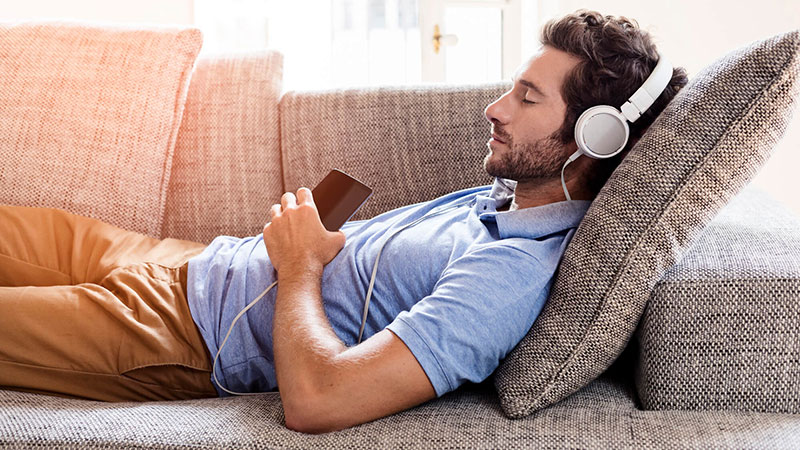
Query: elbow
point(306, 425)
point(309, 413)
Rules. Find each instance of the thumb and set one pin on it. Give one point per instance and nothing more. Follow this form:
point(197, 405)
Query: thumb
point(340, 238)
point(336, 239)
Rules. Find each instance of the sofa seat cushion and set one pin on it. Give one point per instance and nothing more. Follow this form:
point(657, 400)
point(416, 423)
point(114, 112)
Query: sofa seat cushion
point(700, 152)
point(601, 415)
point(89, 116)
point(226, 172)
point(722, 327)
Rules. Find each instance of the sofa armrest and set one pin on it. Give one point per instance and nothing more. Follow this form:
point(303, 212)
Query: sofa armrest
point(722, 327)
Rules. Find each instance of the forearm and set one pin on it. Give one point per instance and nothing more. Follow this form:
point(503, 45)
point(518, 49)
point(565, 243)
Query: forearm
point(321, 381)
point(304, 344)
point(325, 385)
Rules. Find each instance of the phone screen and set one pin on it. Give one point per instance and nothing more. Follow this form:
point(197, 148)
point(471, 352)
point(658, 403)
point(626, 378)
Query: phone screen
point(338, 196)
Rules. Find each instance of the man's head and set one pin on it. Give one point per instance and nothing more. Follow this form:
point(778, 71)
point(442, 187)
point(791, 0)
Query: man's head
point(586, 59)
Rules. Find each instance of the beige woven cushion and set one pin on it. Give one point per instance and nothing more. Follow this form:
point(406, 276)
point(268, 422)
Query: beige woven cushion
point(706, 145)
point(89, 116)
point(227, 167)
point(410, 144)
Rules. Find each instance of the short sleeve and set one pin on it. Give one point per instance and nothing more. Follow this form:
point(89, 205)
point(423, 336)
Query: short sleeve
point(481, 307)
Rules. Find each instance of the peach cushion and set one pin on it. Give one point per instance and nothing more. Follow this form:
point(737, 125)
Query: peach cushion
point(89, 115)
point(227, 166)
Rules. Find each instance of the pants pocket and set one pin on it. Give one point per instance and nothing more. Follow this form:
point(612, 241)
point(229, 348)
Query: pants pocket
point(161, 345)
point(173, 380)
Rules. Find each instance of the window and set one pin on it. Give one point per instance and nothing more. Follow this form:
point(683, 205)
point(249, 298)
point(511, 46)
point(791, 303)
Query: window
point(344, 43)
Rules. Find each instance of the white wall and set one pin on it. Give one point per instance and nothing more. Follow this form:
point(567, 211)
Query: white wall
point(695, 33)
point(149, 11)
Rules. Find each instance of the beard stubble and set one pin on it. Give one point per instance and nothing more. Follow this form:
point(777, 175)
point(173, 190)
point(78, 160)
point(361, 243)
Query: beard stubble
point(541, 159)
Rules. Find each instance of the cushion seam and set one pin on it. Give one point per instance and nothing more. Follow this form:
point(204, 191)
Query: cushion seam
point(177, 117)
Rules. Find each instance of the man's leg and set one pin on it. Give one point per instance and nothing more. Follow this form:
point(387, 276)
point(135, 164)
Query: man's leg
point(48, 247)
point(93, 311)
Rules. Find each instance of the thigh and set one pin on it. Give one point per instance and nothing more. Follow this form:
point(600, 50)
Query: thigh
point(131, 337)
point(48, 246)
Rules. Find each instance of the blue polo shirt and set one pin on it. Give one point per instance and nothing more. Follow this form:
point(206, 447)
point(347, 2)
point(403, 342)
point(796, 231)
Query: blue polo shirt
point(460, 289)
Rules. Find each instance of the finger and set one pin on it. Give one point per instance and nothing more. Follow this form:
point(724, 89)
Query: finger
point(304, 195)
point(288, 200)
point(275, 211)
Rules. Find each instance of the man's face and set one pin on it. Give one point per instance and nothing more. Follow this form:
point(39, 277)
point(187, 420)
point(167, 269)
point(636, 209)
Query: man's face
point(526, 118)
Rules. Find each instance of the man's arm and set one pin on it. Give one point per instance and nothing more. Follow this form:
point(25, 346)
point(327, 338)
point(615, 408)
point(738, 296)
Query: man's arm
point(325, 385)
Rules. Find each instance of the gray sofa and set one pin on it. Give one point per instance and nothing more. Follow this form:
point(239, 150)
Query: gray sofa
point(674, 320)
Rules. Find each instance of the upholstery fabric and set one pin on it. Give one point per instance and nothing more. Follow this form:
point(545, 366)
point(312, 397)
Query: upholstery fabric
point(89, 116)
point(227, 167)
point(601, 415)
point(704, 147)
point(408, 144)
point(721, 328)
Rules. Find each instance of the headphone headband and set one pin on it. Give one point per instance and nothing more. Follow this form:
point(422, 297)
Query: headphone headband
point(602, 131)
point(646, 95)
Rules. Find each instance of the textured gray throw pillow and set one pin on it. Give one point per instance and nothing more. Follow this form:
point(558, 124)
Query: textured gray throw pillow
point(706, 145)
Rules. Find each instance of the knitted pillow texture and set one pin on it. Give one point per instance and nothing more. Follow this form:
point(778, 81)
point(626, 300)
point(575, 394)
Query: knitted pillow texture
point(227, 165)
point(702, 150)
point(89, 115)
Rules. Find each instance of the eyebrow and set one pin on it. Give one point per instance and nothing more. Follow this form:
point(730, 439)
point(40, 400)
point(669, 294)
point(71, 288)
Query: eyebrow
point(533, 86)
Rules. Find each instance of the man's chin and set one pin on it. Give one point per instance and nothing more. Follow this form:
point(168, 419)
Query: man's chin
point(493, 170)
point(487, 165)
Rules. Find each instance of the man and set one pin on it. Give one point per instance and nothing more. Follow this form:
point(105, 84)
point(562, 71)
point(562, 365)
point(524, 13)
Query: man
point(453, 294)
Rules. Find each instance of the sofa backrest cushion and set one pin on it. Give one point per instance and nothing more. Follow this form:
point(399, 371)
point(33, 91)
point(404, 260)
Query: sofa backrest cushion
point(89, 115)
point(705, 146)
point(226, 171)
point(408, 144)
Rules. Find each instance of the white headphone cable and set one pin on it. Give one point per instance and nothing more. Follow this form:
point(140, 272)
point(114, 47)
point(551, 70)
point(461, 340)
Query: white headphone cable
point(378, 257)
point(563, 184)
point(241, 313)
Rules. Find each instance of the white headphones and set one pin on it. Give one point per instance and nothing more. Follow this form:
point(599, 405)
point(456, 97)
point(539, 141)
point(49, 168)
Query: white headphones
point(602, 131)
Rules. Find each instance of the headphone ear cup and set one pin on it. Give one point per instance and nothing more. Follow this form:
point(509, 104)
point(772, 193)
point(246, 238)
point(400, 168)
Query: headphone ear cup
point(601, 132)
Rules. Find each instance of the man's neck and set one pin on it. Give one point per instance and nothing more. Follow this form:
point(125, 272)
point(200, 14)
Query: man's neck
point(510, 206)
point(538, 192)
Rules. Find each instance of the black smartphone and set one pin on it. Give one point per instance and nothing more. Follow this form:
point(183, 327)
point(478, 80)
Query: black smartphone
point(338, 196)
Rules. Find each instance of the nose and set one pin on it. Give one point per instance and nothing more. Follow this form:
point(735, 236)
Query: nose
point(497, 111)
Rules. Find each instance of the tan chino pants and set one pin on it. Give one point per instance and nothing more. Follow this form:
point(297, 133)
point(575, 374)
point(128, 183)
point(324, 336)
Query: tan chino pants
point(93, 311)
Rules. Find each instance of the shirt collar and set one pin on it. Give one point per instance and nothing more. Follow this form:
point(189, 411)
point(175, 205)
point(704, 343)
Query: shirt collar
point(532, 222)
point(503, 190)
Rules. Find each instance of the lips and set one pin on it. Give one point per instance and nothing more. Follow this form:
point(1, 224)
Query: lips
point(498, 139)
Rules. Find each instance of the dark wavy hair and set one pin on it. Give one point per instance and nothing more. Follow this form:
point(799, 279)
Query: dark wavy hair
point(616, 57)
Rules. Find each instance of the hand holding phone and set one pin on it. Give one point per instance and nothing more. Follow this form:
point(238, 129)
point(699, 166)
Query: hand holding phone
point(338, 196)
